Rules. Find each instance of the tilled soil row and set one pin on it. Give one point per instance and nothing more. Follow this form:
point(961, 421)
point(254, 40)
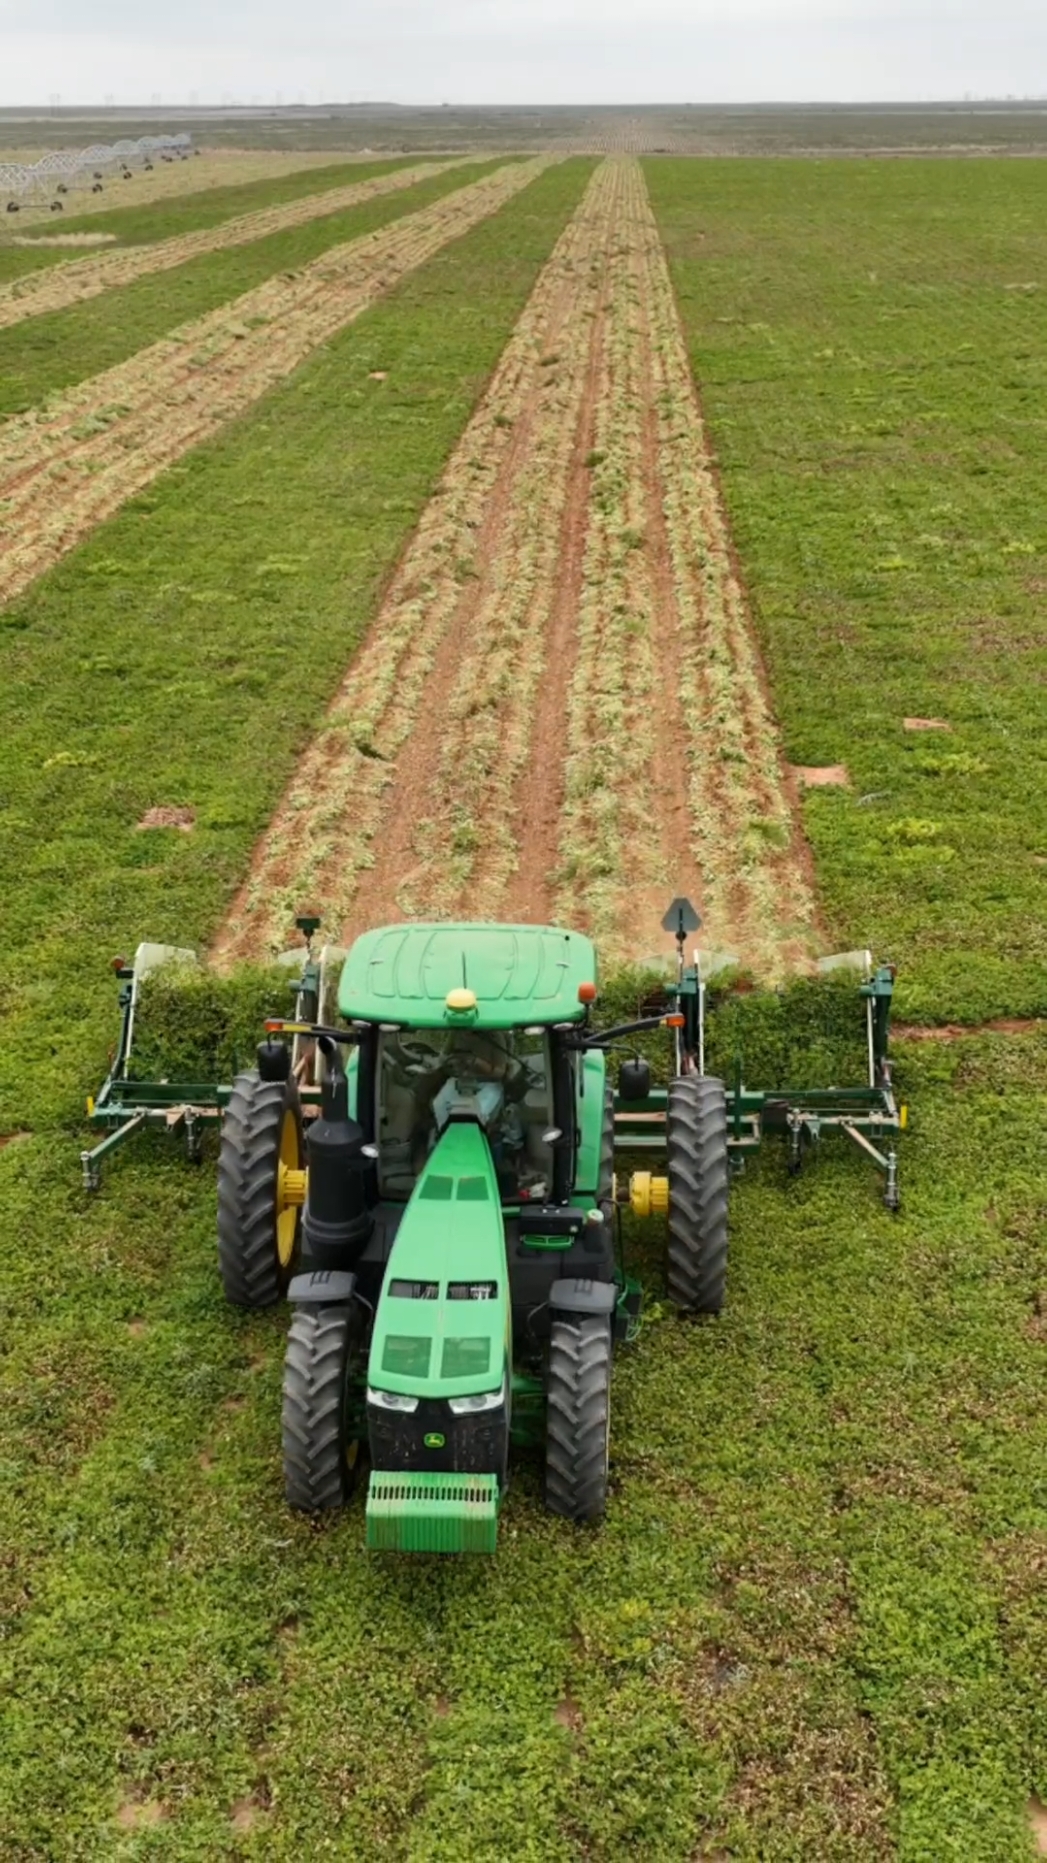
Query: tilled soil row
point(61, 285)
point(66, 468)
point(559, 711)
point(376, 821)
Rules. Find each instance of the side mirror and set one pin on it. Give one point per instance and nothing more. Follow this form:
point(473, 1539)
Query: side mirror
point(634, 1079)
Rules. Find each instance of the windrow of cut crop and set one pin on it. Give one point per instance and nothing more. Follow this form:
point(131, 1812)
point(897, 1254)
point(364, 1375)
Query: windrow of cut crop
point(673, 778)
point(66, 468)
point(83, 278)
point(610, 852)
point(745, 833)
point(344, 831)
point(457, 796)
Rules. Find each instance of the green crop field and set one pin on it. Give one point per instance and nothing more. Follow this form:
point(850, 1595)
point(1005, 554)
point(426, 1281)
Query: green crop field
point(47, 353)
point(811, 1625)
point(871, 349)
point(143, 223)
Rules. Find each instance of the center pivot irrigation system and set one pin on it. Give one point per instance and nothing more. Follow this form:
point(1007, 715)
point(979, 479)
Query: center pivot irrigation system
point(64, 169)
point(426, 1161)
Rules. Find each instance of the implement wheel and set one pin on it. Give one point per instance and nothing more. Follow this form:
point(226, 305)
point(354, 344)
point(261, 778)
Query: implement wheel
point(696, 1137)
point(578, 1417)
point(321, 1447)
point(259, 1213)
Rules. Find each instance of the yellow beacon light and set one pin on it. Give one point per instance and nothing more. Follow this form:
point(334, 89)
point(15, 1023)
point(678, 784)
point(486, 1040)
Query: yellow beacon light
point(460, 1002)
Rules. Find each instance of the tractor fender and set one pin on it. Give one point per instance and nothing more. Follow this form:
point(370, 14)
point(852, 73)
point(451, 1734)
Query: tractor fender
point(330, 1287)
point(581, 1296)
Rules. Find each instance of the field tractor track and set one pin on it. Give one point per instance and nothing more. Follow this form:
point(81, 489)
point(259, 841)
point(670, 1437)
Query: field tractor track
point(67, 467)
point(559, 710)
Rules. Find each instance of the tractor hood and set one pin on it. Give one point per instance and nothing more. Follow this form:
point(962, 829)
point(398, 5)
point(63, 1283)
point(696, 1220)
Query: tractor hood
point(442, 1326)
point(439, 1366)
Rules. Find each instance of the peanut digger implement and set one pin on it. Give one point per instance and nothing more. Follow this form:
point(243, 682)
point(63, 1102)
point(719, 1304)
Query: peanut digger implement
point(425, 1161)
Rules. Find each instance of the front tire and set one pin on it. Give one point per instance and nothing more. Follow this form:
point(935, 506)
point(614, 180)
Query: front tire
point(320, 1450)
point(259, 1238)
point(696, 1140)
point(578, 1417)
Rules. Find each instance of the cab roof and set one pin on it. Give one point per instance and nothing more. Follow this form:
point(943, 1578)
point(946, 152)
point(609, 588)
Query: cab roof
point(519, 974)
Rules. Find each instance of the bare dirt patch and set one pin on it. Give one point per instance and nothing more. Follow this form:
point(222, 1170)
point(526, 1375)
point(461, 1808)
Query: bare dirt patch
point(74, 283)
point(821, 776)
point(65, 468)
point(12, 1138)
point(926, 724)
point(168, 817)
point(1037, 1814)
point(248, 1812)
point(568, 1714)
point(140, 1814)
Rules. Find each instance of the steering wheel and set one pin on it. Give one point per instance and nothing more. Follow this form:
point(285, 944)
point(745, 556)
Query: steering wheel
point(417, 1055)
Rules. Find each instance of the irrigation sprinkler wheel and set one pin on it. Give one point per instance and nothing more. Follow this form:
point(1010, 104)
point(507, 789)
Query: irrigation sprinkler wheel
point(578, 1417)
point(696, 1140)
point(259, 1218)
point(321, 1443)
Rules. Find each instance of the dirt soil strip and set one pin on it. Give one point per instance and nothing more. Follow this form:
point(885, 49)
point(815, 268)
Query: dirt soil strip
point(65, 468)
point(61, 285)
point(560, 710)
point(408, 788)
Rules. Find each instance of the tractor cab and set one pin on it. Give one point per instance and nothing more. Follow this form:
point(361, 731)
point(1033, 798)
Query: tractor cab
point(498, 1080)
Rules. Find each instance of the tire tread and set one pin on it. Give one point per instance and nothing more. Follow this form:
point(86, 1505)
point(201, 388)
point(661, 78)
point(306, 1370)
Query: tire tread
point(577, 1410)
point(696, 1266)
point(316, 1474)
point(250, 1145)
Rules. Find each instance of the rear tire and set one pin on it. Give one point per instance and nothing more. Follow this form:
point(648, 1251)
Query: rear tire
point(578, 1415)
point(320, 1452)
point(696, 1138)
point(258, 1245)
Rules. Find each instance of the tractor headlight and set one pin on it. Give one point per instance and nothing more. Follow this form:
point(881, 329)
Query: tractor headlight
point(391, 1400)
point(469, 1406)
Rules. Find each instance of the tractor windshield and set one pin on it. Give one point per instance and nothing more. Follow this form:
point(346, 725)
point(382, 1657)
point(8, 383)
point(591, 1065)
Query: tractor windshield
point(501, 1078)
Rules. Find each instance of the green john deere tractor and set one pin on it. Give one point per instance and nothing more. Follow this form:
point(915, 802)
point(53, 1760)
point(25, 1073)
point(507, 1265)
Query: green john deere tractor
point(423, 1163)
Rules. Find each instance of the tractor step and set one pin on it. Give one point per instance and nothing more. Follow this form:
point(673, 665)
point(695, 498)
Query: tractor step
point(432, 1513)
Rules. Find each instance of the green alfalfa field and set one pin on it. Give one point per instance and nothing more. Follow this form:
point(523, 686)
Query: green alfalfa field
point(56, 349)
point(812, 1624)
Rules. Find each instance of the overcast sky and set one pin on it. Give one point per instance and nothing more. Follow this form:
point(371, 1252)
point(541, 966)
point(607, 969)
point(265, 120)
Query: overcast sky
point(519, 51)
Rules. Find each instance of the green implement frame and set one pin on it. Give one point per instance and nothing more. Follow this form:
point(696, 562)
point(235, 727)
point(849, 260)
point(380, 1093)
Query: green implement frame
point(125, 1105)
point(867, 1113)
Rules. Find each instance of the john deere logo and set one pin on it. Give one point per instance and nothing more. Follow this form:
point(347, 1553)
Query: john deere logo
point(434, 1440)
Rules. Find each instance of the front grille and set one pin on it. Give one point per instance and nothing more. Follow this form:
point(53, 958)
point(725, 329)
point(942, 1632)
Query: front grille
point(476, 1444)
